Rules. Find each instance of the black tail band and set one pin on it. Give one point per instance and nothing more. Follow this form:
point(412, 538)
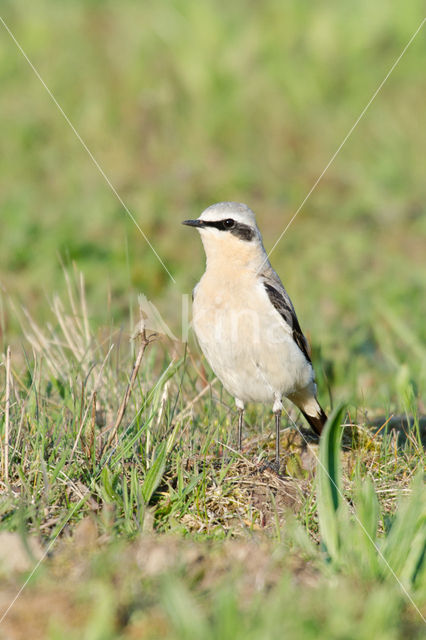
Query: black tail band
point(317, 422)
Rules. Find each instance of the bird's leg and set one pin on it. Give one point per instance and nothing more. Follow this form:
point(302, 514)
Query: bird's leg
point(277, 409)
point(240, 408)
point(240, 428)
point(275, 466)
point(277, 438)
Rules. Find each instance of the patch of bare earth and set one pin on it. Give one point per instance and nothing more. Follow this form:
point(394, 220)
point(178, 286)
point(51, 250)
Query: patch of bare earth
point(65, 594)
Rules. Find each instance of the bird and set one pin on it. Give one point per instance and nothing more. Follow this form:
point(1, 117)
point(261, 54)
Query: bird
point(245, 322)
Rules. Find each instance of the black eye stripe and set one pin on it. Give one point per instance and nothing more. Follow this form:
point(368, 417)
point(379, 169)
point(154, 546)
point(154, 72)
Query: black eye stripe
point(242, 231)
point(222, 225)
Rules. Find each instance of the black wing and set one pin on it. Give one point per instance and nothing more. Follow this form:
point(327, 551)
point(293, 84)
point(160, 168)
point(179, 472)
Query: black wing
point(285, 309)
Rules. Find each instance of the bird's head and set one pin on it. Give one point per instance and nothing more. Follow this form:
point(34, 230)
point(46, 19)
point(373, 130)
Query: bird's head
point(229, 232)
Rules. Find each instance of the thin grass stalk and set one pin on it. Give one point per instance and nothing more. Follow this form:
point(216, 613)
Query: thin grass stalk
point(71, 336)
point(71, 298)
point(7, 416)
point(144, 341)
point(84, 308)
point(39, 343)
point(98, 379)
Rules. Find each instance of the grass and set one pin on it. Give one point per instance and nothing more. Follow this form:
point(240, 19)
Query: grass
point(117, 455)
point(111, 460)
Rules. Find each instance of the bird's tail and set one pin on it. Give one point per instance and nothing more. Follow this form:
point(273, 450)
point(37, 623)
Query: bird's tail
point(316, 417)
point(306, 401)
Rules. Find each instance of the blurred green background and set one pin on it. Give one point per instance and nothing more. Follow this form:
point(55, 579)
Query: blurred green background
point(188, 103)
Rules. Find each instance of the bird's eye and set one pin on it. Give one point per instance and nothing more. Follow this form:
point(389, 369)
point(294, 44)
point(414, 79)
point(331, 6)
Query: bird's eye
point(229, 223)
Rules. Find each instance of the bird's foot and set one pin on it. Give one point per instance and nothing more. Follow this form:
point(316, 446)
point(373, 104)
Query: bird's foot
point(273, 466)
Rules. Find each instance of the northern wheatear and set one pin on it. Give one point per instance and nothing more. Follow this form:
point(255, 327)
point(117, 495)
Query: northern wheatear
point(245, 322)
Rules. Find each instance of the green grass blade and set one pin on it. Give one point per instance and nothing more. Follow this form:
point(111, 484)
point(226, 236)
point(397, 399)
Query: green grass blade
point(329, 483)
point(154, 473)
point(365, 530)
point(404, 546)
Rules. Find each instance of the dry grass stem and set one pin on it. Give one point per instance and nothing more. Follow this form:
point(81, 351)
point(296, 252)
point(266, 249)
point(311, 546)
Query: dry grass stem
point(7, 416)
point(144, 342)
point(90, 403)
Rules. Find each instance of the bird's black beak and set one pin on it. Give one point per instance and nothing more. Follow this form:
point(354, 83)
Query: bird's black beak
point(193, 223)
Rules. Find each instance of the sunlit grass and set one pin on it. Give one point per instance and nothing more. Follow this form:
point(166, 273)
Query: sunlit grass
point(166, 466)
point(122, 454)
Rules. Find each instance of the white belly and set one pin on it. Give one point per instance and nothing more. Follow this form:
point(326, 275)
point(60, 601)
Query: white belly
point(247, 343)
